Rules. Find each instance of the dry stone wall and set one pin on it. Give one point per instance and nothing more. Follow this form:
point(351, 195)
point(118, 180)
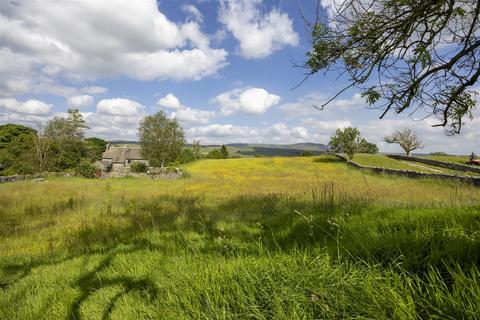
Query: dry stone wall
point(414, 174)
point(446, 165)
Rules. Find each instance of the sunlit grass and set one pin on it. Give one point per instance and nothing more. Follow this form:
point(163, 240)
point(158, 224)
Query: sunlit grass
point(252, 238)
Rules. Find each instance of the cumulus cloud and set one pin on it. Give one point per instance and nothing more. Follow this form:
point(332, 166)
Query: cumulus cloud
point(38, 40)
point(249, 100)
point(259, 33)
point(229, 133)
point(29, 107)
point(184, 114)
point(169, 101)
point(119, 107)
point(82, 101)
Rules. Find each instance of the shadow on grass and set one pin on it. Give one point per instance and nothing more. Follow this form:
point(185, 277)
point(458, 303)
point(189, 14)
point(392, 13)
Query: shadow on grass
point(342, 224)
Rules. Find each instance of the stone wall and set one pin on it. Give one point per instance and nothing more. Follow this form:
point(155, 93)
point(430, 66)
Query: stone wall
point(447, 165)
point(18, 177)
point(414, 174)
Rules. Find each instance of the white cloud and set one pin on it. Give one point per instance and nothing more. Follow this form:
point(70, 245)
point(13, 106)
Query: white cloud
point(169, 101)
point(193, 12)
point(119, 107)
point(93, 90)
point(83, 40)
point(227, 133)
point(29, 107)
point(259, 33)
point(249, 100)
point(184, 114)
point(81, 101)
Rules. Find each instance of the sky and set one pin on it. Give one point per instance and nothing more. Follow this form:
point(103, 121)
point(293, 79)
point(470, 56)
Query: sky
point(225, 69)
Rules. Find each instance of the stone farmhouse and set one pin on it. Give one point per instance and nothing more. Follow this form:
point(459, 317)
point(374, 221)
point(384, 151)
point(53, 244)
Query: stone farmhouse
point(118, 159)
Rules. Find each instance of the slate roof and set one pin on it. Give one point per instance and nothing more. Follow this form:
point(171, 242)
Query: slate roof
point(121, 154)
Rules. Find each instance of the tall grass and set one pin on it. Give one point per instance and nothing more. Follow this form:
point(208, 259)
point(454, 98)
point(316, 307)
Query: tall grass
point(140, 249)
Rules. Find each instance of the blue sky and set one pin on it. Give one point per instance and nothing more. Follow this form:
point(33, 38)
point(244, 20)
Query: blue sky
point(223, 68)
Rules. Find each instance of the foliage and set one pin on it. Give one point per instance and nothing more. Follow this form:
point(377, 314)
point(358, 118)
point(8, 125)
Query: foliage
point(215, 154)
point(364, 246)
point(186, 156)
point(438, 153)
point(394, 52)
point(95, 148)
point(66, 137)
point(367, 147)
point(138, 167)
point(15, 142)
point(346, 141)
point(224, 151)
point(407, 139)
point(307, 154)
point(162, 139)
point(86, 169)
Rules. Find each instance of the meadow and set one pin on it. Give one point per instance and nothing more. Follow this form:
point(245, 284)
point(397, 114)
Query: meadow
point(249, 238)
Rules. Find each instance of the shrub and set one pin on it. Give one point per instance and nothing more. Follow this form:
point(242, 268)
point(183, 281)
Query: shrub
point(186, 156)
point(138, 167)
point(306, 154)
point(215, 154)
point(86, 169)
point(438, 154)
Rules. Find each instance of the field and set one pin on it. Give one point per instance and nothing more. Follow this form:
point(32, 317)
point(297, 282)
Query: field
point(249, 238)
point(377, 160)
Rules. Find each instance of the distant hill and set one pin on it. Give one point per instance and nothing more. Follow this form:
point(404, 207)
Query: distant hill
point(256, 149)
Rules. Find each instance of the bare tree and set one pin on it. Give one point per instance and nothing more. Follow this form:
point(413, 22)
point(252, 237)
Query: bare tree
point(407, 139)
point(42, 146)
point(405, 56)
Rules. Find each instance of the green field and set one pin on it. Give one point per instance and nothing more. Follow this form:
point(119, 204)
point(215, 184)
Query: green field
point(452, 159)
point(378, 160)
point(250, 238)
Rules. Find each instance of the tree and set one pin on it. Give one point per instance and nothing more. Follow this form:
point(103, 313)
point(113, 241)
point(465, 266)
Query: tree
point(67, 136)
point(224, 151)
point(42, 150)
point(346, 141)
point(404, 55)
point(196, 149)
point(161, 139)
point(367, 147)
point(95, 147)
point(15, 143)
point(407, 139)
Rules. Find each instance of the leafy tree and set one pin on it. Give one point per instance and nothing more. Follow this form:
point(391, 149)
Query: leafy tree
point(224, 151)
point(367, 147)
point(95, 147)
point(407, 139)
point(346, 141)
point(162, 139)
point(15, 143)
point(67, 136)
point(395, 53)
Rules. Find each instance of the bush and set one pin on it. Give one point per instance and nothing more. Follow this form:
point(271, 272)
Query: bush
point(438, 154)
point(215, 154)
point(306, 154)
point(138, 167)
point(186, 156)
point(86, 169)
